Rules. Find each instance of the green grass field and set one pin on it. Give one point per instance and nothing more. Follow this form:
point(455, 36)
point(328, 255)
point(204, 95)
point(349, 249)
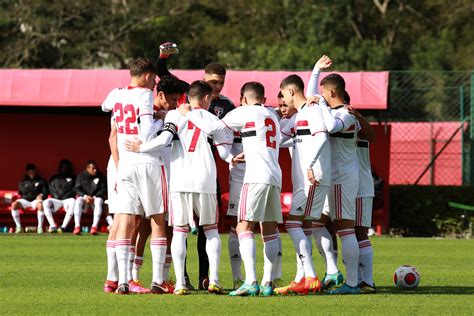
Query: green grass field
point(64, 274)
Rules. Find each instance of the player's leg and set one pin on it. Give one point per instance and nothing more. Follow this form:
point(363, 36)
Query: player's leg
point(16, 207)
point(48, 208)
point(205, 206)
point(111, 283)
point(143, 233)
point(363, 222)
point(79, 208)
point(233, 243)
point(277, 271)
point(122, 249)
point(158, 247)
point(203, 258)
point(69, 209)
point(98, 204)
point(38, 206)
point(342, 203)
point(332, 231)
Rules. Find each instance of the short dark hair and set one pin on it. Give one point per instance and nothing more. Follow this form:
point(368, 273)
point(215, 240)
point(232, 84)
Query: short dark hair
point(140, 66)
point(280, 95)
point(199, 89)
point(215, 69)
point(30, 166)
point(91, 162)
point(169, 85)
point(254, 87)
point(337, 82)
point(347, 98)
point(293, 80)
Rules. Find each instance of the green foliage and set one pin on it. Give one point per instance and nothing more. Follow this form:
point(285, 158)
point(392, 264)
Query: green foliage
point(65, 274)
point(242, 34)
point(423, 211)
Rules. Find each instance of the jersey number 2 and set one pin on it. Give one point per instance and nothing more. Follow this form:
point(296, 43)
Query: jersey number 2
point(271, 132)
point(126, 113)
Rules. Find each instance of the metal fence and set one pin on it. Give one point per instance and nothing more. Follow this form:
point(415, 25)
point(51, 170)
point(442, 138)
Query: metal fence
point(430, 145)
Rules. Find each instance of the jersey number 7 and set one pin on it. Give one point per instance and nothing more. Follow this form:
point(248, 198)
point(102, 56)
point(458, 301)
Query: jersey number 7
point(194, 140)
point(126, 119)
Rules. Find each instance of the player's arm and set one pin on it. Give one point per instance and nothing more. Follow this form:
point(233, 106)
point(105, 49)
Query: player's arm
point(286, 137)
point(322, 63)
point(147, 131)
point(333, 125)
point(78, 186)
point(321, 138)
point(102, 189)
point(366, 132)
point(113, 143)
point(165, 138)
point(44, 190)
point(108, 104)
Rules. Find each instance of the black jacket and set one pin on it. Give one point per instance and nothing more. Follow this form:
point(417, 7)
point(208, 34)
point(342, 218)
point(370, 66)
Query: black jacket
point(92, 186)
point(61, 187)
point(30, 188)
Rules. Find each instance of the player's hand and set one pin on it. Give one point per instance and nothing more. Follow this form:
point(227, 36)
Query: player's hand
point(324, 62)
point(88, 199)
point(39, 197)
point(167, 49)
point(311, 177)
point(313, 99)
point(240, 158)
point(184, 109)
point(133, 145)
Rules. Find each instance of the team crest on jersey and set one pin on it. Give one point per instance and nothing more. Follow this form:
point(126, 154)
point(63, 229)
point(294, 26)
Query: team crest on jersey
point(96, 180)
point(36, 184)
point(68, 179)
point(218, 111)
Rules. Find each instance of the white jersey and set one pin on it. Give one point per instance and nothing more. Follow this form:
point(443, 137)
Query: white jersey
point(345, 165)
point(366, 181)
point(259, 129)
point(308, 124)
point(237, 172)
point(287, 130)
point(133, 115)
point(192, 163)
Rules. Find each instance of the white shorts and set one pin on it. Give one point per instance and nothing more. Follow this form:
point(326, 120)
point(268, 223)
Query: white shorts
point(142, 189)
point(185, 204)
point(260, 203)
point(111, 188)
point(309, 202)
point(342, 199)
point(234, 197)
point(28, 204)
point(54, 204)
point(364, 211)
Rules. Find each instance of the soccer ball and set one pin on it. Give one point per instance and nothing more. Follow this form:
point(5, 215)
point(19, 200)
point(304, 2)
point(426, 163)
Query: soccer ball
point(406, 277)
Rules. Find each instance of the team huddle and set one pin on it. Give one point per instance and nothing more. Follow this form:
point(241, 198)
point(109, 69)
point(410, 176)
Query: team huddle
point(162, 181)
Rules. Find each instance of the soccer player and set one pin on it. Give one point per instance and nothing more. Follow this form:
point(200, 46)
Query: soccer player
point(61, 187)
point(192, 179)
point(32, 189)
point(311, 165)
point(343, 129)
point(91, 188)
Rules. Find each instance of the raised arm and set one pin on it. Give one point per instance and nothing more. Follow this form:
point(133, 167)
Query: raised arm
point(322, 63)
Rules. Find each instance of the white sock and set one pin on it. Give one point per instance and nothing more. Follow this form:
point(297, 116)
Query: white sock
point(122, 250)
point(112, 269)
point(40, 216)
point(131, 260)
point(234, 255)
point(158, 254)
point(366, 254)
point(78, 212)
point(277, 267)
point(324, 243)
point(166, 267)
point(270, 254)
point(48, 212)
point(67, 217)
point(213, 250)
point(299, 269)
point(137, 265)
point(97, 212)
point(110, 220)
point(16, 217)
point(302, 247)
point(248, 252)
point(350, 254)
point(178, 252)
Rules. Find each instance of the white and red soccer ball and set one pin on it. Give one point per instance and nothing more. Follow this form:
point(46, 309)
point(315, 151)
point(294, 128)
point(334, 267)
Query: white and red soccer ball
point(406, 277)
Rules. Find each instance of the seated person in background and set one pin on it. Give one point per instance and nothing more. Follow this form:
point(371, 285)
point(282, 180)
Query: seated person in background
point(61, 189)
point(91, 188)
point(31, 189)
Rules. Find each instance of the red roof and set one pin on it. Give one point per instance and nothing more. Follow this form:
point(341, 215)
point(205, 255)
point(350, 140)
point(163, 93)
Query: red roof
point(71, 87)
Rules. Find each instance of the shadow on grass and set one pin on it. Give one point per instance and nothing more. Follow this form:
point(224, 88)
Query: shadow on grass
point(446, 290)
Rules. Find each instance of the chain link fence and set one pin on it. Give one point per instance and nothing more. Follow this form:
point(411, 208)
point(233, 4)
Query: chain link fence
point(429, 113)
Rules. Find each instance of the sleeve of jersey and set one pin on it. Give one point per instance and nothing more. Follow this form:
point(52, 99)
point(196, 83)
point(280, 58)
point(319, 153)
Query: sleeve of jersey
point(347, 119)
point(320, 140)
point(286, 135)
point(224, 151)
point(161, 141)
point(313, 82)
point(233, 120)
point(108, 105)
point(333, 125)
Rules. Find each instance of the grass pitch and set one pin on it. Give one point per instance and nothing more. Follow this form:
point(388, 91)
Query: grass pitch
point(64, 274)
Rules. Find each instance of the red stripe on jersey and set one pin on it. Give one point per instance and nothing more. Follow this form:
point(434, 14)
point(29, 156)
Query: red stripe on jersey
point(302, 123)
point(190, 125)
point(249, 125)
point(236, 134)
point(351, 128)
